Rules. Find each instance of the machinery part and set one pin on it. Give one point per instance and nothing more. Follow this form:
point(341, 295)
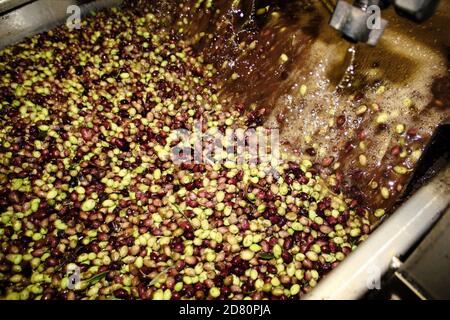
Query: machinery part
point(362, 21)
point(417, 10)
point(364, 4)
point(424, 273)
point(426, 270)
point(6, 5)
point(394, 237)
point(359, 24)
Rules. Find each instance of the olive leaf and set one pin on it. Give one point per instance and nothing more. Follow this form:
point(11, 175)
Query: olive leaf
point(155, 279)
point(266, 256)
point(177, 209)
point(97, 277)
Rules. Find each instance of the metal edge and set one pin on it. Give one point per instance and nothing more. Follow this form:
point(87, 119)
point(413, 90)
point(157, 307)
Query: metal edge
point(6, 5)
point(42, 15)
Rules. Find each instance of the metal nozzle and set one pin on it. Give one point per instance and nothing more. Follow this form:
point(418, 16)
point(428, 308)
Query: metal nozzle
point(359, 24)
